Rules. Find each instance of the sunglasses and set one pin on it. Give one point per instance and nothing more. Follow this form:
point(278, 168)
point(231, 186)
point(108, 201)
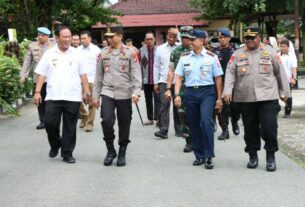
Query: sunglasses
point(248, 38)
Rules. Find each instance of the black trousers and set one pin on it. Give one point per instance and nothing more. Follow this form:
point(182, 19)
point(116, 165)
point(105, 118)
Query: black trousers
point(152, 100)
point(124, 112)
point(288, 105)
point(227, 111)
point(42, 107)
point(260, 121)
point(164, 110)
point(69, 112)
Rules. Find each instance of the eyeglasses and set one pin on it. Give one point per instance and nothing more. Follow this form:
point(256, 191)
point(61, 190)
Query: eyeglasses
point(249, 38)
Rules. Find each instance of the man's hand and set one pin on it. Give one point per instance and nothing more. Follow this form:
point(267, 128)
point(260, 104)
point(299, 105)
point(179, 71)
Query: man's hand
point(135, 99)
point(177, 101)
point(168, 95)
point(293, 81)
point(37, 98)
point(219, 105)
point(228, 99)
point(156, 88)
point(284, 98)
point(86, 97)
point(96, 103)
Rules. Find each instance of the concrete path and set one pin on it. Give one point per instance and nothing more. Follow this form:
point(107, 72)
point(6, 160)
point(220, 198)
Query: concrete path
point(157, 174)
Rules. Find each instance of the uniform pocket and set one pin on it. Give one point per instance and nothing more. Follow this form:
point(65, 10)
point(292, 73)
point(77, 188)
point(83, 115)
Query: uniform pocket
point(265, 67)
point(243, 68)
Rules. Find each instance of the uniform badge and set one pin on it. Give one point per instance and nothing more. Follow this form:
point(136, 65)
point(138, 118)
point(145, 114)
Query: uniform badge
point(134, 57)
point(232, 59)
point(99, 57)
point(266, 54)
point(243, 56)
point(54, 61)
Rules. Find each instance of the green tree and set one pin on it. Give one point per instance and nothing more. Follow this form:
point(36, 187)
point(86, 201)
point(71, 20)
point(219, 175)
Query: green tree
point(27, 15)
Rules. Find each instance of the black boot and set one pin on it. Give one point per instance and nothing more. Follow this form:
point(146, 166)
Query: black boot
point(235, 128)
point(121, 159)
point(253, 161)
point(188, 146)
point(224, 135)
point(271, 165)
point(111, 154)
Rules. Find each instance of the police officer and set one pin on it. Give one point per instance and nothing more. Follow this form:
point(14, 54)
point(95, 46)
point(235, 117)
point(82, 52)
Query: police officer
point(224, 53)
point(118, 82)
point(67, 78)
point(34, 53)
point(258, 80)
point(186, 40)
point(201, 70)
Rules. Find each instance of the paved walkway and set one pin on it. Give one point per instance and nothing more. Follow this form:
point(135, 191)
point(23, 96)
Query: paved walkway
point(157, 174)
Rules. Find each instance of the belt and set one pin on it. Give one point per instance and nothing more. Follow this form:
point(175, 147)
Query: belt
point(196, 87)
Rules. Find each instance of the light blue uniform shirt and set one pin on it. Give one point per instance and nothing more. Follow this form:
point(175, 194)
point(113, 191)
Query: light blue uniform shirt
point(199, 70)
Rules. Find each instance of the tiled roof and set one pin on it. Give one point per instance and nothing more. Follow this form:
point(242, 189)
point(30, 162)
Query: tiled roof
point(157, 20)
point(145, 7)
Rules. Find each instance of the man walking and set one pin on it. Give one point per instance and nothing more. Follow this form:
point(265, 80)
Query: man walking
point(257, 77)
point(118, 82)
point(89, 53)
point(66, 77)
point(32, 58)
point(152, 99)
point(161, 64)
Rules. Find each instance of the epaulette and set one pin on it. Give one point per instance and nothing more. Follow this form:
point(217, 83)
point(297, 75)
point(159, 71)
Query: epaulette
point(210, 53)
point(185, 54)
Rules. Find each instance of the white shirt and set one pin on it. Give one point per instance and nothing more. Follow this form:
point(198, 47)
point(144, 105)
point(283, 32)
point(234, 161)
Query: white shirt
point(90, 55)
point(289, 62)
point(62, 71)
point(161, 62)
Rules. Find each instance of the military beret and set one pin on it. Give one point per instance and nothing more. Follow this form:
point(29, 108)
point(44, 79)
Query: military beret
point(199, 33)
point(111, 31)
point(252, 31)
point(186, 31)
point(43, 30)
point(224, 32)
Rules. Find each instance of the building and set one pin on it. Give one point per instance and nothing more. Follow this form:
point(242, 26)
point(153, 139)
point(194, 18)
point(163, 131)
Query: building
point(140, 16)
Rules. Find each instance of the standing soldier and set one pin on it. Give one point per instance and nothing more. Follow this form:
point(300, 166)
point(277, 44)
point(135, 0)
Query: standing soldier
point(201, 70)
point(118, 82)
point(224, 53)
point(186, 35)
point(32, 57)
point(258, 80)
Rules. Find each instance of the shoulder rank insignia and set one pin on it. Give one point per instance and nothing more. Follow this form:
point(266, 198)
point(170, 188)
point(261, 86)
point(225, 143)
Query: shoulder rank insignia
point(185, 53)
point(210, 53)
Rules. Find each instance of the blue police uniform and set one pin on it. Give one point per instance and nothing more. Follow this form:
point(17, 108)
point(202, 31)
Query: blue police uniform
point(199, 72)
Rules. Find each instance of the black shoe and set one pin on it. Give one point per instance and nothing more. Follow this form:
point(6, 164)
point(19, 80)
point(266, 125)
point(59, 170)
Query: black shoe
point(224, 135)
point(69, 159)
point(253, 161)
point(161, 135)
point(111, 155)
point(235, 128)
point(53, 153)
point(188, 146)
point(286, 116)
point(41, 125)
point(271, 165)
point(121, 158)
point(198, 162)
point(209, 164)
